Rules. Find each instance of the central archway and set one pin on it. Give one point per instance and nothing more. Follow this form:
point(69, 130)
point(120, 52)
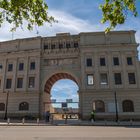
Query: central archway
point(48, 105)
point(56, 77)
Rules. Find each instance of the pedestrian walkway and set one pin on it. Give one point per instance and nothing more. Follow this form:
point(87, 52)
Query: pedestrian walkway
point(67, 123)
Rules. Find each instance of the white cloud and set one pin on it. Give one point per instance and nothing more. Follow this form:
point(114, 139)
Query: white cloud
point(69, 23)
point(64, 89)
point(66, 23)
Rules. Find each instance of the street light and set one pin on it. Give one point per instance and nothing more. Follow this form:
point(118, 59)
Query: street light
point(6, 107)
point(116, 107)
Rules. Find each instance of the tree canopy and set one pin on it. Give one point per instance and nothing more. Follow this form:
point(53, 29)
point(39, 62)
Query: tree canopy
point(35, 12)
point(116, 11)
point(17, 11)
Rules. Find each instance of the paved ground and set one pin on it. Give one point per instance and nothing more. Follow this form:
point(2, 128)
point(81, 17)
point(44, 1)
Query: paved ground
point(68, 133)
point(70, 122)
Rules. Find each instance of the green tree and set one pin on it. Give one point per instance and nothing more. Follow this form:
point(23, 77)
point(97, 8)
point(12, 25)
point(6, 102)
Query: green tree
point(17, 11)
point(116, 11)
point(35, 12)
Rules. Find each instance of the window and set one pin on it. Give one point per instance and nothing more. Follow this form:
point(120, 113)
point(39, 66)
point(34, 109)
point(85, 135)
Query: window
point(89, 62)
point(0, 66)
point(90, 79)
point(99, 106)
point(76, 45)
point(129, 61)
point(103, 79)
point(8, 83)
point(115, 61)
point(10, 67)
point(31, 82)
point(32, 66)
point(118, 79)
point(67, 45)
point(0, 83)
point(53, 46)
point(46, 47)
point(60, 46)
point(128, 106)
point(102, 62)
point(21, 66)
point(19, 82)
point(24, 106)
point(131, 77)
point(2, 106)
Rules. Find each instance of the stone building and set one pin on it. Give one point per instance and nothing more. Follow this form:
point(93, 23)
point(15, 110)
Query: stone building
point(102, 65)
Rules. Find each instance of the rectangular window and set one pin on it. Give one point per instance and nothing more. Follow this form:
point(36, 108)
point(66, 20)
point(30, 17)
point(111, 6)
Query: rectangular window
point(32, 66)
point(89, 62)
point(8, 83)
point(21, 66)
point(31, 82)
point(129, 61)
point(102, 62)
point(131, 77)
point(90, 79)
point(60, 46)
point(0, 66)
point(53, 46)
point(0, 83)
point(115, 61)
point(103, 79)
point(118, 79)
point(19, 82)
point(10, 67)
point(46, 47)
point(76, 45)
point(68, 45)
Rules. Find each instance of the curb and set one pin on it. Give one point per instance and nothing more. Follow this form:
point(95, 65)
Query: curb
point(79, 124)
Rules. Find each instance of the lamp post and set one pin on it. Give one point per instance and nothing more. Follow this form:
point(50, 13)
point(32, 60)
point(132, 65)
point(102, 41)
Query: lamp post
point(6, 107)
point(116, 107)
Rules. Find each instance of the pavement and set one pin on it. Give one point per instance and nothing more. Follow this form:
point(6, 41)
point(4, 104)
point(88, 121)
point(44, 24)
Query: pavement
point(69, 133)
point(67, 123)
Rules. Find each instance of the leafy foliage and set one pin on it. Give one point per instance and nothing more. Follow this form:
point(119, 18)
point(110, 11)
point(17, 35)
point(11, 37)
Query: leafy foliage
point(35, 12)
point(16, 11)
point(115, 11)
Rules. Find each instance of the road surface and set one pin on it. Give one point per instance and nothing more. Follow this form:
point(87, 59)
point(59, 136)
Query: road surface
point(68, 133)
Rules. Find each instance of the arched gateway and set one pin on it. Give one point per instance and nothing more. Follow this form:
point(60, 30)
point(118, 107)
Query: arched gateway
point(47, 103)
point(56, 77)
point(104, 66)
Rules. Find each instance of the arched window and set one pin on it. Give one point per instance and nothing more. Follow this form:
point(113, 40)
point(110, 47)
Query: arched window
point(23, 106)
point(99, 106)
point(128, 106)
point(2, 106)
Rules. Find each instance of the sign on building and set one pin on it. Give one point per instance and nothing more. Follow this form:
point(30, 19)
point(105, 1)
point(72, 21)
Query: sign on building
point(53, 100)
point(64, 105)
point(69, 100)
point(112, 107)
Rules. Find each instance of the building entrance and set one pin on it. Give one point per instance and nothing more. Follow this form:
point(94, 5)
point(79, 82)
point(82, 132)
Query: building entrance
point(62, 101)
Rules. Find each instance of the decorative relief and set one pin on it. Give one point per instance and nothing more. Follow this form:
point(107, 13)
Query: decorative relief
point(61, 51)
point(59, 62)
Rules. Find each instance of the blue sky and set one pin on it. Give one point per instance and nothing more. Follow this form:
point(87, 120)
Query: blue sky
point(65, 89)
point(73, 16)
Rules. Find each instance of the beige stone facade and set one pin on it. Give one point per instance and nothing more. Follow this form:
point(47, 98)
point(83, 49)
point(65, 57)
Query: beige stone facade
point(101, 65)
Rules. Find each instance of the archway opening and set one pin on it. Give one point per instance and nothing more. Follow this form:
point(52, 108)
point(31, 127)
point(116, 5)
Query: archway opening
point(63, 98)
